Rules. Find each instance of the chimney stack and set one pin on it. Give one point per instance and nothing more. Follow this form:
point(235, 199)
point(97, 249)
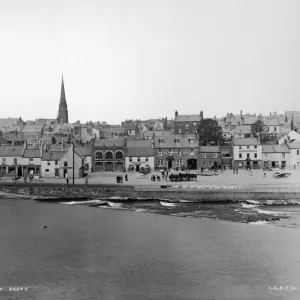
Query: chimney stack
point(201, 114)
point(241, 112)
point(176, 113)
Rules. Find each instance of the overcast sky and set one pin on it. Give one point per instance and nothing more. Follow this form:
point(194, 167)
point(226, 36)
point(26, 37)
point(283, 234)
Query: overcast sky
point(143, 59)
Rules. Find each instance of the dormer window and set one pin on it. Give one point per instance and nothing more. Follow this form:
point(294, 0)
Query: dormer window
point(161, 141)
point(177, 141)
point(192, 141)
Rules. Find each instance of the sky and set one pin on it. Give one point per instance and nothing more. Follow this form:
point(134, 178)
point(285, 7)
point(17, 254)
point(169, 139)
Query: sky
point(138, 59)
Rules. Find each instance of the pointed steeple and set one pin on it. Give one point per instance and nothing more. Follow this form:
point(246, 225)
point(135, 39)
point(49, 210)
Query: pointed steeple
point(62, 94)
point(292, 123)
point(62, 116)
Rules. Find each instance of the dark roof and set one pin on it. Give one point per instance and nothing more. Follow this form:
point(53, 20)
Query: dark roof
point(57, 155)
point(207, 149)
point(12, 137)
point(248, 120)
point(109, 142)
point(33, 128)
point(117, 130)
point(187, 118)
point(271, 122)
point(140, 151)
point(158, 133)
point(32, 153)
point(275, 149)
point(241, 129)
point(246, 142)
point(84, 151)
point(294, 145)
point(11, 151)
point(139, 143)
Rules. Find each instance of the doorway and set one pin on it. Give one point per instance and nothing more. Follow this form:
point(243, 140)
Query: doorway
point(192, 164)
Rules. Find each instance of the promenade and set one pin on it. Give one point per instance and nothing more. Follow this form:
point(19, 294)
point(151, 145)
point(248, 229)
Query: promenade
point(243, 180)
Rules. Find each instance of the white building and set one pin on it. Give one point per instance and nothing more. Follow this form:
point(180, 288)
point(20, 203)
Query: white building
point(139, 154)
point(247, 150)
point(294, 155)
point(276, 156)
point(51, 163)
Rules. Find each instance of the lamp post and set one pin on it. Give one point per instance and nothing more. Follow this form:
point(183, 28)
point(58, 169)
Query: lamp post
point(73, 163)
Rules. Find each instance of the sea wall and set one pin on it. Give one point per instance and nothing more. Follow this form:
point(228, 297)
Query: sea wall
point(57, 192)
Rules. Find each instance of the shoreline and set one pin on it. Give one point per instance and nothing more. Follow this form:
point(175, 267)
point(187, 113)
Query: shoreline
point(224, 209)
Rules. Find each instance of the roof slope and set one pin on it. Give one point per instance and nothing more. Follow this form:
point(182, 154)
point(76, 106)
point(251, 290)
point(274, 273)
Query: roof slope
point(246, 141)
point(32, 153)
point(275, 149)
point(109, 143)
point(11, 151)
point(187, 118)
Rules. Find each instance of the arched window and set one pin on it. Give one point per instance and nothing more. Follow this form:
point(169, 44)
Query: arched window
point(119, 155)
point(108, 155)
point(98, 155)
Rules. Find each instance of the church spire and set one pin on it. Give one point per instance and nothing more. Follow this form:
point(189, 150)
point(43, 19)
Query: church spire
point(63, 108)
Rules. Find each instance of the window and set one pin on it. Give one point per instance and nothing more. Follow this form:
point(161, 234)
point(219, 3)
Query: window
point(108, 155)
point(16, 161)
point(179, 162)
point(160, 162)
point(240, 147)
point(56, 162)
point(210, 163)
point(297, 152)
point(187, 126)
point(194, 123)
point(98, 155)
point(159, 152)
point(204, 155)
point(65, 163)
point(47, 171)
point(283, 155)
point(248, 147)
point(255, 147)
point(177, 141)
point(170, 152)
point(179, 130)
point(192, 141)
point(255, 155)
point(215, 155)
point(240, 155)
point(147, 159)
point(161, 141)
point(48, 163)
point(139, 159)
point(178, 152)
point(248, 155)
point(119, 155)
point(192, 152)
point(3, 160)
point(204, 163)
point(30, 159)
point(275, 128)
point(130, 159)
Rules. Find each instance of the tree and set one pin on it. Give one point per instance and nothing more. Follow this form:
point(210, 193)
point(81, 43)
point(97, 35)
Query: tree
point(210, 131)
point(257, 127)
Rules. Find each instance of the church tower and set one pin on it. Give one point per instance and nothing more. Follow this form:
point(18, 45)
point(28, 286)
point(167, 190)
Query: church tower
point(62, 116)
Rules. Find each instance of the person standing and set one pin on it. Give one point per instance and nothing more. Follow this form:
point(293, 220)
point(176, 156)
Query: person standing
point(126, 177)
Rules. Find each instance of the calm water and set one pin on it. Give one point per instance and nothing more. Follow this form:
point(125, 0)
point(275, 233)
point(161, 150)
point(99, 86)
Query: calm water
point(96, 253)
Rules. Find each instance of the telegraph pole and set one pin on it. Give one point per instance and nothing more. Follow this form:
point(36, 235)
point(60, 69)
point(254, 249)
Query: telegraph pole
point(73, 163)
